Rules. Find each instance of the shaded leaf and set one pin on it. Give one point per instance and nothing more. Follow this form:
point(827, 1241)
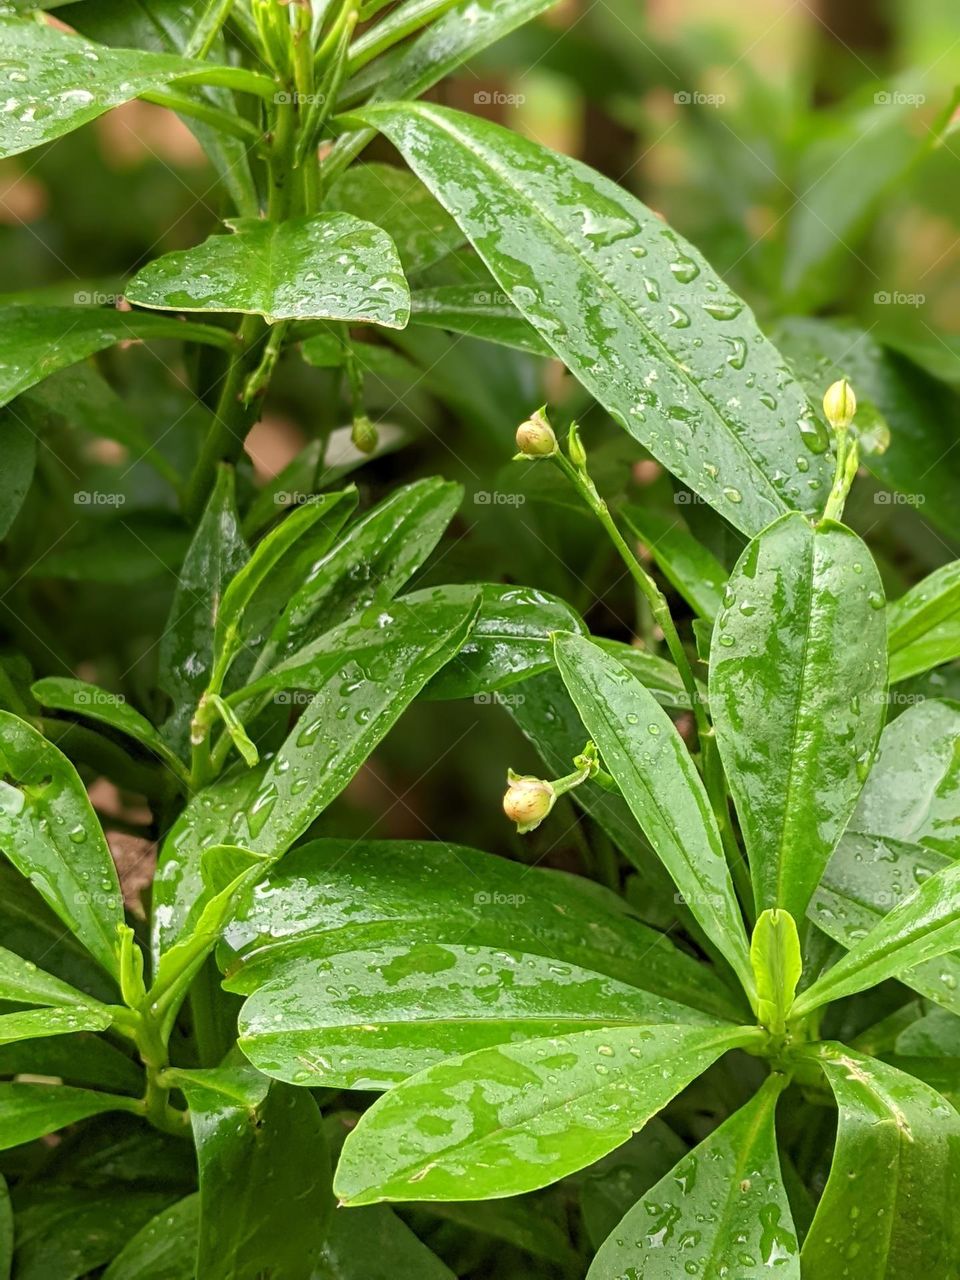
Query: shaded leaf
point(686, 564)
point(164, 1249)
point(29, 1111)
point(374, 1244)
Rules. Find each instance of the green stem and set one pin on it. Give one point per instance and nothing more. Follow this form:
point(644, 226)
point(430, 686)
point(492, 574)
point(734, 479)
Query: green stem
point(156, 1099)
point(848, 459)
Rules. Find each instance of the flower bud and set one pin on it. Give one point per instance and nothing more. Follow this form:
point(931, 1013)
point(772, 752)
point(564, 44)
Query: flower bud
point(535, 438)
point(364, 435)
point(575, 449)
point(527, 801)
point(840, 404)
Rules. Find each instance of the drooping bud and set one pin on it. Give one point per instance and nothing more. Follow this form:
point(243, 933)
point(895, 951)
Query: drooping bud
point(535, 438)
point(839, 404)
point(527, 801)
point(364, 435)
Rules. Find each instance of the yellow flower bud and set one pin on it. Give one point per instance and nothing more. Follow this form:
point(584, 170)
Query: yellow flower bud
point(535, 438)
point(527, 801)
point(840, 404)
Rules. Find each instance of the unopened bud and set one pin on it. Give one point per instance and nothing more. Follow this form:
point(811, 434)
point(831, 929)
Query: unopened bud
point(840, 404)
point(535, 438)
point(364, 435)
point(527, 801)
point(575, 449)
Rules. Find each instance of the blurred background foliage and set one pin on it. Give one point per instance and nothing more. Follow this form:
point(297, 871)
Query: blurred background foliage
point(806, 149)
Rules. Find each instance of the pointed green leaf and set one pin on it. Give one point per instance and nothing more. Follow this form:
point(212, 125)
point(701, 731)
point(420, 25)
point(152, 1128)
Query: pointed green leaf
point(33, 1024)
point(36, 341)
point(509, 1119)
point(477, 311)
point(165, 1249)
point(554, 232)
point(29, 1111)
point(687, 565)
point(797, 685)
point(264, 1174)
point(925, 925)
point(650, 762)
point(331, 896)
point(721, 1211)
point(374, 1244)
point(19, 440)
point(367, 1019)
point(777, 965)
point(329, 266)
point(50, 833)
point(923, 626)
point(83, 1059)
point(21, 980)
point(889, 1206)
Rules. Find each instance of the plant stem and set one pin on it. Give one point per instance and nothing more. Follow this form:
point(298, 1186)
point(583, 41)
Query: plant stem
point(156, 1100)
point(235, 126)
point(848, 459)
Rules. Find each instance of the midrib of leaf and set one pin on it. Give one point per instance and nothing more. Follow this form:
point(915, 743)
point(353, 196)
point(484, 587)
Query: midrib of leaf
point(794, 730)
point(733, 1187)
point(558, 234)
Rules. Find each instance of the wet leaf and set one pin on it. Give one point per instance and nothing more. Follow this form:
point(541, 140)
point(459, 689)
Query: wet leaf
point(721, 1211)
point(374, 1244)
point(21, 980)
point(888, 1206)
point(509, 1119)
point(329, 266)
point(50, 833)
point(33, 1024)
point(924, 624)
point(617, 294)
point(165, 1249)
point(29, 1111)
point(477, 311)
point(687, 565)
point(797, 694)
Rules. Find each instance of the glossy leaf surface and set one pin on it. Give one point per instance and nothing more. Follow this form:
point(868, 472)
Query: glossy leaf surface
point(797, 682)
point(49, 831)
point(331, 896)
point(21, 980)
point(476, 312)
point(659, 781)
point(888, 1206)
point(721, 1211)
point(506, 1120)
point(366, 1019)
point(165, 1249)
point(625, 294)
point(330, 266)
point(924, 624)
point(687, 565)
point(374, 1244)
point(34, 1024)
point(29, 1111)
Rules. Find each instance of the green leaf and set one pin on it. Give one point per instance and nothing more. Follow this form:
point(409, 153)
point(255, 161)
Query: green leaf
point(331, 896)
point(36, 341)
point(329, 266)
point(6, 1232)
point(922, 927)
point(83, 1059)
point(478, 312)
point(612, 1186)
point(913, 790)
point(32, 1024)
point(371, 561)
point(264, 1174)
point(122, 551)
point(397, 201)
point(509, 1119)
point(374, 1244)
point(510, 641)
point(721, 1211)
point(21, 980)
point(659, 781)
point(390, 656)
point(50, 833)
point(367, 1019)
point(868, 876)
point(777, 965)
point(29, 1111)
point(687, 565)
point(656, 304)
point(889, 1205)
point(165, 1249)
point(797, 694)
point(216, 555)
point(923, 626)
point(91, 702)
point(19, 441)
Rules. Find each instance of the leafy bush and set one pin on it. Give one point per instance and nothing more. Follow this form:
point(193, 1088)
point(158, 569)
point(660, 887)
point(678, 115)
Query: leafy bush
point(749, 914)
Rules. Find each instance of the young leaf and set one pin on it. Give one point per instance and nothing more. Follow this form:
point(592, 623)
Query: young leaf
point(331, 896)
point(36, 341)
point(659, 781)
point(391, 656)
point(329, 266)
point(656, 304)
point(164, 1249)
point(721, 1211)
point(264, 1174)
point(890, 1201)
point(925, 925)
point(367, 1019)
point(687, 565)
point(797, 683)
point(29, 1111)
point(88, 701)
point(777, 965)
point(50, 833)
point(923, 626)
point(32, 1024)
point(509, 1119)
